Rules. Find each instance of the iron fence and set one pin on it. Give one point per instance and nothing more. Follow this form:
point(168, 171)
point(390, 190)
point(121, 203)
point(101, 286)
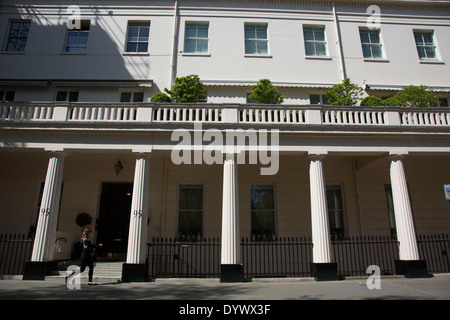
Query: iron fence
point(269, 257)
point(15, 249)
point(434, 249)
point(186, 257)
point(354, 255)
point(194, 257)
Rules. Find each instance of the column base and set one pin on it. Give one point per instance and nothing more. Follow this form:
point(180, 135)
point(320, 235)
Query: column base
point(324, 271)
point(412, 268)
point(37, 270)
point(135, 272)
point(231, 273)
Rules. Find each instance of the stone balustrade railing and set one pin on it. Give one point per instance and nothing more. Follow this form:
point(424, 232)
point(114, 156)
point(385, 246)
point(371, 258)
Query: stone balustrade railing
point(218, 113)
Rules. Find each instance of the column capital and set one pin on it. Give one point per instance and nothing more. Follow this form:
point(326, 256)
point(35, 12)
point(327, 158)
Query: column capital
point(317, 155)
point(393, 156)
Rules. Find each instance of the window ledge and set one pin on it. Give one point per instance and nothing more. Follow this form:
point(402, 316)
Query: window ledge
point(318, 58)
point(12, 52)
point(375, 60)
point(73, 53)
point(195, 54)
point(426, 61)
point(135, 54)
point(257, 56)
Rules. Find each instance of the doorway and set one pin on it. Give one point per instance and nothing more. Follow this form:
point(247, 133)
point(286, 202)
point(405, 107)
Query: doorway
point(114, 219)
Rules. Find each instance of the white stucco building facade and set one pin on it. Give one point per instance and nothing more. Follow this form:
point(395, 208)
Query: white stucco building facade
point(78, 134)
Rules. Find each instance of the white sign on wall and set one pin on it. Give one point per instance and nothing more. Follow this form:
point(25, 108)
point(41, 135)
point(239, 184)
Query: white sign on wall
point(447, 191)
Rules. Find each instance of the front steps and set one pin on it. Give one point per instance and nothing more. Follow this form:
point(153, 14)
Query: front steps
point(103, 271)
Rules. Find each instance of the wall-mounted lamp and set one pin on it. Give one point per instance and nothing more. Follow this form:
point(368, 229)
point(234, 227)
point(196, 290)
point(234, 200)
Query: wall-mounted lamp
point(118, 167)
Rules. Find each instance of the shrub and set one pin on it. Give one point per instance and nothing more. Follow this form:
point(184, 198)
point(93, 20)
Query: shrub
point(187, 89)
point(344, 94)
point(417, 96)
point(371, 101)
point(264, 92)
point(160, 97)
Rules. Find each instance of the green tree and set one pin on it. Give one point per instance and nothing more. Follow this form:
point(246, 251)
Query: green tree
point(344, 94)
point(160, 97)
point(264, 92)
point(392, 101)
point(417, 96)
point(187, 89)
point(371, 101)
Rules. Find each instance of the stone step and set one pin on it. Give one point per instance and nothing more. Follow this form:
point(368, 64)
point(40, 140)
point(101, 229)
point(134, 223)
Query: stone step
point(111, 270)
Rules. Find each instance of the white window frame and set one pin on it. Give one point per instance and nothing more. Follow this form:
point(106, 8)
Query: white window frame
point(325, 42)
point(9, 36)
point(84, 29)
point(256, 40)
point(196, 39)
point(132, 94)
point(137, 23)
point(434, 45)
point(371, 44)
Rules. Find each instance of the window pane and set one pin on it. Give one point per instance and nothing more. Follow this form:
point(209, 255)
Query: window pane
point(319, 34)
point(314, 99)
point(190, 223)
point(262, 197)
point(131, 47)
point(125, 97)
point(73, 96)
point(9, 96)
point(261, 32)
point(308, 34)
point(262, 47)
point(366, 51)
point(142, 47)
point(374, 37)
point(143, 33)
point(191, 31)
point(61, 96)
point(376, 51)
point(250, 32)
point(138, 97)
point(250, 47)
point(191, 197)
point(418, 38)
point(309, 48)
point(428, 38)
point(202, 31)
point(320, 49)
point(430, 53)
point(262, 223)
point(202, 46)
point(189, 46)
point(133, 33)
point(364, 35)
point(421, 51)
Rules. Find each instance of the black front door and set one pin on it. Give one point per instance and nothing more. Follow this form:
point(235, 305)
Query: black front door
point(114, 219)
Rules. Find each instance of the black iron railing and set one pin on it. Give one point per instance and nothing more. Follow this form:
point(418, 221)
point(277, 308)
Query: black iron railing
point(194, 257)
point(268, 257)
point(354, 255)
point(15, 249)
point(186, 257)
point(435, 249)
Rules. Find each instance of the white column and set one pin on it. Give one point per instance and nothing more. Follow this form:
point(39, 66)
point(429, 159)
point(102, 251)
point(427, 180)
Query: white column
point(319, 211)
point(43, 247)
point(230, 213)
point(137, 236)
point(403, 214)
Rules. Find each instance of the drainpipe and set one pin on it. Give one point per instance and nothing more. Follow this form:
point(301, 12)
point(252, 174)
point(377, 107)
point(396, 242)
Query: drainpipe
point(174, 45)
point(339, 43)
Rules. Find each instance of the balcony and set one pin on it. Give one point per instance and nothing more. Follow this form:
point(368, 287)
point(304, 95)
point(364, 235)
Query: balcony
point(283, 117)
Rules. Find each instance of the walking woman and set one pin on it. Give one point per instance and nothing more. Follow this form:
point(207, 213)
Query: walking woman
point(87, 255)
